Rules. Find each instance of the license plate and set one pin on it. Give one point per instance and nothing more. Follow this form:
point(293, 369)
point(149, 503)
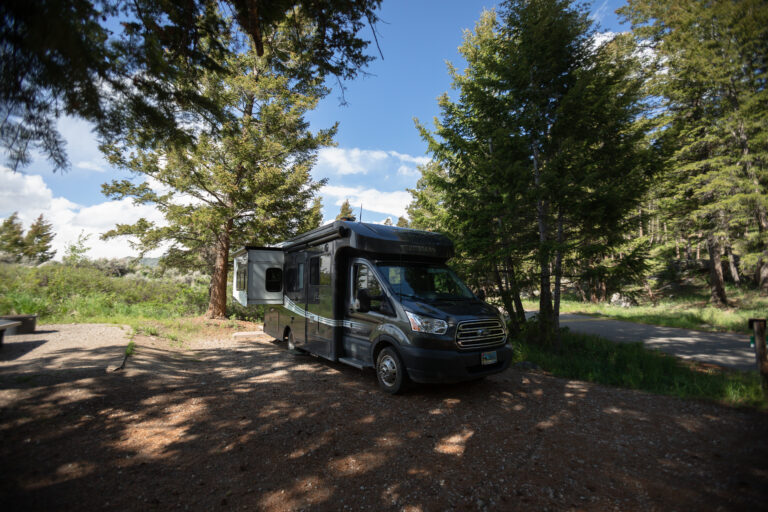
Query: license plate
point(488, 357)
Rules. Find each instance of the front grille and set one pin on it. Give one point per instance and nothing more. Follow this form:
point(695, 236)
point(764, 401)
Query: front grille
point(480, 333)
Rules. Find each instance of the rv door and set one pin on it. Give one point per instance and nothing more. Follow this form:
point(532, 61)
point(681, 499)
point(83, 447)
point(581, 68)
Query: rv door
point(258, 276)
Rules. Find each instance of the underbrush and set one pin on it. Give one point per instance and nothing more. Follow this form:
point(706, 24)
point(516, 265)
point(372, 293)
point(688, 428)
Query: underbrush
point(65, 293)
point(630, 365)
point(688, 310)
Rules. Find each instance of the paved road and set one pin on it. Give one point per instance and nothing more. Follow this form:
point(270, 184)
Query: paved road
point(724, 349)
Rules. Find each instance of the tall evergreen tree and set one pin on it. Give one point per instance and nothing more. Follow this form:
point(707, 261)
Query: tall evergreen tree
point(346, 211)
point(710, 75)
point(250, 184)
point(37, 241)
point(62, 57)
point(542, 155)
point(12, 237)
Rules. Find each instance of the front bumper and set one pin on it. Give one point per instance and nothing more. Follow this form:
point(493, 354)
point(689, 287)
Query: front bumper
point(433, 366)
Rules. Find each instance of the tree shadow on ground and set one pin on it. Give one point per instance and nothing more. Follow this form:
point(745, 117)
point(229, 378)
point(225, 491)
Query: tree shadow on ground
point(255, 427)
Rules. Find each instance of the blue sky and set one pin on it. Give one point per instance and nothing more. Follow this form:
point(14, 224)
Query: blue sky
point(378, 146)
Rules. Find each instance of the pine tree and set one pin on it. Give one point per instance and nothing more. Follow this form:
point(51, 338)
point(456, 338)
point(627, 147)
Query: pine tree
point(709, 75)
point(12, 237)
point(541, 155)
point(37, 241)
point(388, 221)
point(402, 222)
point(250, 184)
point(65, 57)
point(346, 211)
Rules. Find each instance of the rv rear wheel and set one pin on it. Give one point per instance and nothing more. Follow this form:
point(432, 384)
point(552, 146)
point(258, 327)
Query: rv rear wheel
point(390, 371)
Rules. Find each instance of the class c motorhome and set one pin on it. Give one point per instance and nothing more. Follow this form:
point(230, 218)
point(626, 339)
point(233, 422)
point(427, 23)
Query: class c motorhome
point(374, 296)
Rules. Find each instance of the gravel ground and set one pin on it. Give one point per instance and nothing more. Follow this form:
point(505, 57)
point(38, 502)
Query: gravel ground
point(244, 424)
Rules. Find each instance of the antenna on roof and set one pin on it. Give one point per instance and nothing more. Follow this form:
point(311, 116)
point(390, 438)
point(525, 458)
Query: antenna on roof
point(361, 213)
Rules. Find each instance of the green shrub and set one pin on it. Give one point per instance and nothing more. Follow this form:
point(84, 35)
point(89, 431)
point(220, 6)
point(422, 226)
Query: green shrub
point(89, 293)
point(630, 365)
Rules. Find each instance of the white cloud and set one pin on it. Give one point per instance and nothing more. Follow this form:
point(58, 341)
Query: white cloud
point(19, 191)
point(404, 170)
point(350, 161)
point(89, 166)
point(391, 203)
point(600, 38)
point(599, 14)
point(418, 160)
point(341, 161)
point(30, 196)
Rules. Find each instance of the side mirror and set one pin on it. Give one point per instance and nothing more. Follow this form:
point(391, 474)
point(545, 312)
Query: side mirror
point(481, 294)
point(363, 302)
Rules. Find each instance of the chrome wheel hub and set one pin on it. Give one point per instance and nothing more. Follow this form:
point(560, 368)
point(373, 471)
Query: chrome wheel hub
point(388, 370)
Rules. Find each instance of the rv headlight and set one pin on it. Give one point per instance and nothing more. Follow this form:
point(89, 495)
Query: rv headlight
point(425, 324)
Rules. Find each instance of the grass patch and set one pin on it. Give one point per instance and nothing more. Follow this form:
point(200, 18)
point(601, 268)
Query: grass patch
point(688, 311)
point(130, 349)
point(630, 365)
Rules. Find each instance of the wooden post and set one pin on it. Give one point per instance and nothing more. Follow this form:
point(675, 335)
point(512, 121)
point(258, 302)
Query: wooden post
point(758, 325)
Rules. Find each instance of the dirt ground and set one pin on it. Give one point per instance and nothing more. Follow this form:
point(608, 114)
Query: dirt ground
point(244, 424)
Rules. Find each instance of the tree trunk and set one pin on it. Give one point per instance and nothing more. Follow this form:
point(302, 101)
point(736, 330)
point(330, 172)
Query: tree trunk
point(732, 264)
point(545, 294)
point(505, 298)
point(515, 291)
point(217, 305)
point(762, 275)
point(558, 278)
point(716, 284)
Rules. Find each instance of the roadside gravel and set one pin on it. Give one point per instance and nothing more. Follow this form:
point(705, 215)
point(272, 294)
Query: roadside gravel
point(244, 424)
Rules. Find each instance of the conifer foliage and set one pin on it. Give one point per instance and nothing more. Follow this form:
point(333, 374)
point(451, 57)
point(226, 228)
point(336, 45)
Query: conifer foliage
point(345, 211)
point(34, 246)
point(708, 73)
point(539, 160)
point(248, 184)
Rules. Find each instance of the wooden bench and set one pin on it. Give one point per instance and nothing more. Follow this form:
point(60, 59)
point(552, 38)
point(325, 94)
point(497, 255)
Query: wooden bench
point(6, 324)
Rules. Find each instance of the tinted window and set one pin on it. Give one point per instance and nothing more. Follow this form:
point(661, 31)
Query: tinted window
point(300, 277)
point(366, 280)
point(241, 278)
point(314, 271)
point(274, 279)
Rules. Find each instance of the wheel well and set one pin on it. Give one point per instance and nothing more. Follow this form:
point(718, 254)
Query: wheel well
point(286, 332)
point(383, 343)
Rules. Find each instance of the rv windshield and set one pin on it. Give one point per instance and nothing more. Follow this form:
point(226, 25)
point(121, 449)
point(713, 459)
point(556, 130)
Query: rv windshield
point(424, 281)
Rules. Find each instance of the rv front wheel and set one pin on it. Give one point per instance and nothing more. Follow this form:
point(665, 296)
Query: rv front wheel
point(390, 371)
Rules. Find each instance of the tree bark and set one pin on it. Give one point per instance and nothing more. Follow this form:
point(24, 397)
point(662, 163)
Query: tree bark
point(545, 294)
point(558, 278)
point(732, 264)
point(762, 275)
point(717, 285)
point(505, 298)
point(217, 304)
point(515, 291)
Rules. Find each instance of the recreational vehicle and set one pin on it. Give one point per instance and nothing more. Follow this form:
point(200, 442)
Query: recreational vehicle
point(374, 296)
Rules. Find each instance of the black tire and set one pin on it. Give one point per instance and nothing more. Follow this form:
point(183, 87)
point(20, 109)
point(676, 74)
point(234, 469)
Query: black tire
point(391, 372)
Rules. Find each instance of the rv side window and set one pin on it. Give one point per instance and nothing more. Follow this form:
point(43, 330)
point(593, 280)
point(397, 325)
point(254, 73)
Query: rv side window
point(366, 280)
point(274, 279)
point(314, 270)
point(242, 272)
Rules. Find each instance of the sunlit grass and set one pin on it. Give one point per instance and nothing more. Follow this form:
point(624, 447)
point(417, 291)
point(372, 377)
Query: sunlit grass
point(630, 365)
point(691, 311)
